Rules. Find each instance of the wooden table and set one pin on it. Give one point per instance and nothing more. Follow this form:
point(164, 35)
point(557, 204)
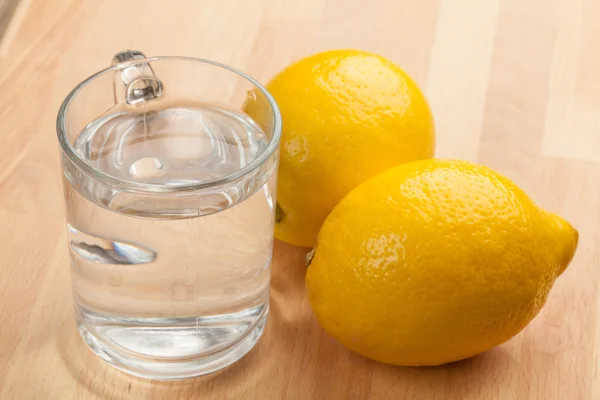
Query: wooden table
point(514, 84)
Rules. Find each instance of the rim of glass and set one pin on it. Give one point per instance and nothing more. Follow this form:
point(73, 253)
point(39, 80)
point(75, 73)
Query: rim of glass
point(161, 188)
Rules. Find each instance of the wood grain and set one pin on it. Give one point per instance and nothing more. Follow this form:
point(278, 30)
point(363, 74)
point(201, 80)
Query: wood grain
point(514, 84)
point(7, 9)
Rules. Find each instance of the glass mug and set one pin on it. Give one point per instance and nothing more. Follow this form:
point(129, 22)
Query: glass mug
point(170, 192)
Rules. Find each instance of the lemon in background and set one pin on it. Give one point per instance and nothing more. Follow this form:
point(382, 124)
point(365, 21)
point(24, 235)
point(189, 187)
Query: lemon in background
point(347, 115)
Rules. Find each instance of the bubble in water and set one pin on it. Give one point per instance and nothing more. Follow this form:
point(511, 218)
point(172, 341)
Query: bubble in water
point(183, 291)
point(146, 167)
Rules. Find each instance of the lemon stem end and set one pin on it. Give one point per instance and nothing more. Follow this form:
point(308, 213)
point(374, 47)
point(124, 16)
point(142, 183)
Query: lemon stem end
point(310, 256)
point(279, 214)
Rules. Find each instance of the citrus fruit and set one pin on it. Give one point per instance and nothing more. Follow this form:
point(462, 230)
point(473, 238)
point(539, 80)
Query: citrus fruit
point(434, 261)
point(347, 115)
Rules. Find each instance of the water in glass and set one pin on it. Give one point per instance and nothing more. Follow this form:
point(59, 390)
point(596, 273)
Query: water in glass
point(171, 276)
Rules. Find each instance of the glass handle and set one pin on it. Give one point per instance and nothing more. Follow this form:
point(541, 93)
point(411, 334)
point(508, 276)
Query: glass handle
point(135, 83)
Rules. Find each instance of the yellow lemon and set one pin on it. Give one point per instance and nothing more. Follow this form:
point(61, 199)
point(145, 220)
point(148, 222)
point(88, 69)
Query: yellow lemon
point(435, 261)
point(347, 115)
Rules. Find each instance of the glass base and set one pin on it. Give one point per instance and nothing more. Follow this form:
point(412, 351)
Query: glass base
point(168, 368)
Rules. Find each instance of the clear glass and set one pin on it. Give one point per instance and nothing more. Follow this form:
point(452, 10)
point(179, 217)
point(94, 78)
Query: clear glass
point(170, 213)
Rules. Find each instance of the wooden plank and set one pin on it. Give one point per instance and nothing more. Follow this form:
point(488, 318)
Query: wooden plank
point(7, 9)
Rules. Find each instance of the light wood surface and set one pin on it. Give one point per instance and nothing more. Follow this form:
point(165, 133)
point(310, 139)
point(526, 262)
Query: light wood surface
point(514, 84)
point(7, 8)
